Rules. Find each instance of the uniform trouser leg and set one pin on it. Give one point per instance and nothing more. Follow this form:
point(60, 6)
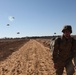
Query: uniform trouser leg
point(70, 68)
point(75, 59)
point(59, 70)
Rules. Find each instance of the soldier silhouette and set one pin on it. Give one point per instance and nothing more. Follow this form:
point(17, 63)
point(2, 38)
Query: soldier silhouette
point(64, 52)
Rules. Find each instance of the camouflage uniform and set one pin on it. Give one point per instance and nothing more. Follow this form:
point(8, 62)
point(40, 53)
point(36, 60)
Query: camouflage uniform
point(63, 55)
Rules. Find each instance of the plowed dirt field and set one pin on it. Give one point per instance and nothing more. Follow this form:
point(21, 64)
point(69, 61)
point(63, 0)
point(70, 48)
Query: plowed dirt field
point(31, 58)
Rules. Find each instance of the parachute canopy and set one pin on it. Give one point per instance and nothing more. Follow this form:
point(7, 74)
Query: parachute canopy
point(54, 33)
point(8, 24)
point(11, 18)
point(18, 32)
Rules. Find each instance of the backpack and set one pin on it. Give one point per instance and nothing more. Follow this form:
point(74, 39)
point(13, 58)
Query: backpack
point(52, 42)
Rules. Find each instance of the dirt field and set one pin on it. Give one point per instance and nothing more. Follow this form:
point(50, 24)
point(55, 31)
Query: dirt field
point(26, 58)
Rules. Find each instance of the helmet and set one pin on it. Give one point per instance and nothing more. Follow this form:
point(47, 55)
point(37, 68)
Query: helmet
point(67, 27)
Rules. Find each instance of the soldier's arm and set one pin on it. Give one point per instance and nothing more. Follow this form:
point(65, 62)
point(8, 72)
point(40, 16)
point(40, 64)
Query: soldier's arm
point(74, 46)
point(55, 51)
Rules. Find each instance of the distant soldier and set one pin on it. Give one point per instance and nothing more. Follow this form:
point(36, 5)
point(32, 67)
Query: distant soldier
point(64, 52)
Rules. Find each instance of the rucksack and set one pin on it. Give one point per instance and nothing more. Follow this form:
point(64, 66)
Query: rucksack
point(52, 42)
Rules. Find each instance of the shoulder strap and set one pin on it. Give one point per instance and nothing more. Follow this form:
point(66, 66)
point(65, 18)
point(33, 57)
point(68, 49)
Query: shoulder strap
point(59, 41)
point(73, 40)
point(72, 51)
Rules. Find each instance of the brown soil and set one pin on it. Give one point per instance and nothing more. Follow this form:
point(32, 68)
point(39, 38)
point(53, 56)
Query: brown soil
point(31, 58)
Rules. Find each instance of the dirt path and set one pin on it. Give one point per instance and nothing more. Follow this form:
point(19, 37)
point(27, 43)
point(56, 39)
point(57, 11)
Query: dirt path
point(31, 59)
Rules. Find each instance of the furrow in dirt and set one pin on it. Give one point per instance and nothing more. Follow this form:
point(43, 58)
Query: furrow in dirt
point(31, 59)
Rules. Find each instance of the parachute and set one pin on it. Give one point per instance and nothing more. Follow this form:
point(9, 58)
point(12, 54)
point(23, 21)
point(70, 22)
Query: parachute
point(54, 33)
point(11, 18)
point(18, 32)
point(8, 24)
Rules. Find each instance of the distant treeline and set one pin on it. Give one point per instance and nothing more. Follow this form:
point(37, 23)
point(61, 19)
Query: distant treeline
point(32, 37)
point(36, 37)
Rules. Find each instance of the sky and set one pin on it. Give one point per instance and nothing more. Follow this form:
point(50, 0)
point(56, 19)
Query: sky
point(36, 17)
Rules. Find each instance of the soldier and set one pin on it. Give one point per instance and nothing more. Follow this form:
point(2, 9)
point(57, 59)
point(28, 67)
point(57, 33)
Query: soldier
point(64, 52)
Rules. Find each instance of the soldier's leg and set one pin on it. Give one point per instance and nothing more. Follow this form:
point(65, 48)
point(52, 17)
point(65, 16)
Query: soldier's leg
point(70, 68)
point(59, 70)
point(75, 59)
